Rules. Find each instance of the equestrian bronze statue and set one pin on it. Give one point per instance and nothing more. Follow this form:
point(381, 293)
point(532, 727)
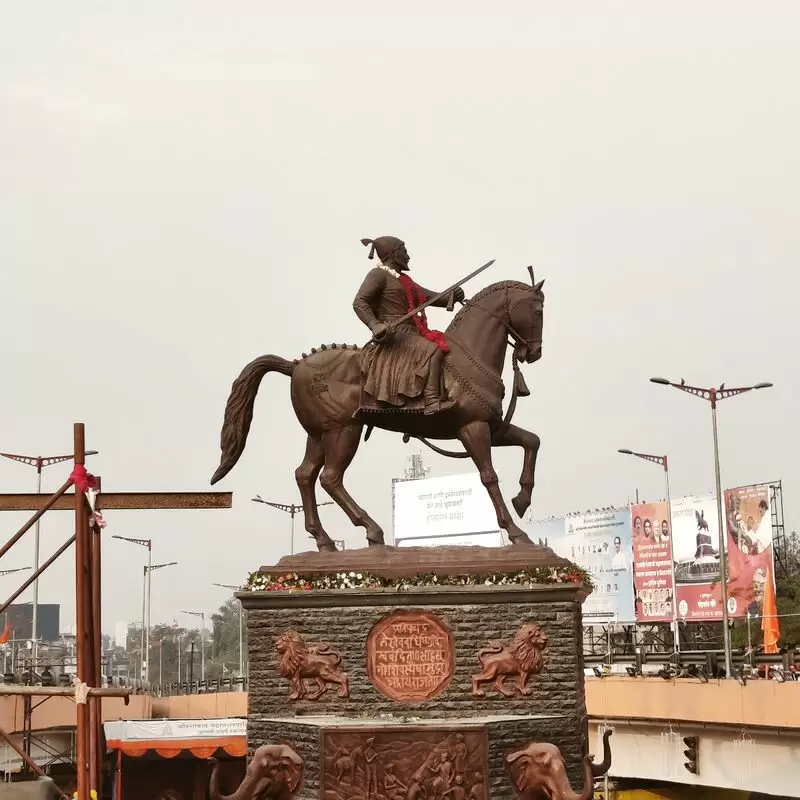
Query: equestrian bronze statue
point(408, 378)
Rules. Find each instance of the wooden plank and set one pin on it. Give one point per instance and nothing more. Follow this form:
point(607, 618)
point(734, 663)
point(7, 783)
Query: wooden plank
point(63, 691)
point(108, 501)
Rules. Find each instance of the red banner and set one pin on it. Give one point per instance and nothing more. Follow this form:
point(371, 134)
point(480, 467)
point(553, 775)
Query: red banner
point(749, 544)
point(652, 557)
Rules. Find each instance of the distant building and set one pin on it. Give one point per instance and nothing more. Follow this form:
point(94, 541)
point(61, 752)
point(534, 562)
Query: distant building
point(20, 620)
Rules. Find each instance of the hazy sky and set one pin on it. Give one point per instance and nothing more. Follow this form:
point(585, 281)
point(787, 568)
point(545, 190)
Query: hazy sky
point(183, 187)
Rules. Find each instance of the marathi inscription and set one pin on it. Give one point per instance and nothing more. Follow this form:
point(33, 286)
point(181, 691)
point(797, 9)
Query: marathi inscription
point(410, 656)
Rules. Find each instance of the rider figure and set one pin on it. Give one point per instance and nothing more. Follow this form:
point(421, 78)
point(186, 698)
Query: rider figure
point(407, 360)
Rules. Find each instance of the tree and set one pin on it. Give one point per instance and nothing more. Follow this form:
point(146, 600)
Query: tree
point(224, 661)
point(787, 592)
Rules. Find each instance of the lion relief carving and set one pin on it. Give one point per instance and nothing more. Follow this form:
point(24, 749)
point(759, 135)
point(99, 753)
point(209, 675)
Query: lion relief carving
point(318, 664)
point(521, 659)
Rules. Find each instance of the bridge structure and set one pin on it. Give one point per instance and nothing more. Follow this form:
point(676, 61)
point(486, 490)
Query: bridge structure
point(727, 735)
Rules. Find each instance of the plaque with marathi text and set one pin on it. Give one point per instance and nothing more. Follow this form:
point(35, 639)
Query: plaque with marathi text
point(410, 656)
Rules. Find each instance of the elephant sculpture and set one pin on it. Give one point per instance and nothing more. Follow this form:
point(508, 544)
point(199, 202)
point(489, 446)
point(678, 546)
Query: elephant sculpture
point(274, 773)
point(539, 773)
point(598, 770)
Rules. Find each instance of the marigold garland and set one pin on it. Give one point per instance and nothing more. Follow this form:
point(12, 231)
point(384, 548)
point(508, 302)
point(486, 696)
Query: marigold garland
point(292, 582)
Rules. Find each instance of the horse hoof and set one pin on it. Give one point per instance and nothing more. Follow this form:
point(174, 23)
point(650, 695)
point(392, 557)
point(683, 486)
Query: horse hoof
point(521, 538)
point(521, 504)
point(326, 547)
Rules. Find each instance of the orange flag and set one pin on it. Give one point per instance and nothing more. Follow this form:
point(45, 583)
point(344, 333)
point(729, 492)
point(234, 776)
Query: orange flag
point(6, 635)
point(769, 620)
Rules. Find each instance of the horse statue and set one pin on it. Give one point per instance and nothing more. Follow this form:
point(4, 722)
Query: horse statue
point(326, 390)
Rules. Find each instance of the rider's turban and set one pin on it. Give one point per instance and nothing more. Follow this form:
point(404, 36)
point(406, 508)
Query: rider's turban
point(384, 246)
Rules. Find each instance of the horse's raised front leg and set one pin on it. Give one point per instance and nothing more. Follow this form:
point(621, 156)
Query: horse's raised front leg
point(514, 436)
point(339, 448)
point(476, 438)
point(306, 476)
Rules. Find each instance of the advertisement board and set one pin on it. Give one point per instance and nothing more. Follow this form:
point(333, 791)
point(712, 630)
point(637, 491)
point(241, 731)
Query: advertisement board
point(696, 551)
point(652, 557)
point(695, 542)
point(750, 552)
point(600, 542)
point(447, 506)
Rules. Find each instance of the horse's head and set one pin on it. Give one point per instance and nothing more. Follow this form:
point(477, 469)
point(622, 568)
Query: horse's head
point(526, 318)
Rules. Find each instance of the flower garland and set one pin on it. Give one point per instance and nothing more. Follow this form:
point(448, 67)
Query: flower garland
point(415, 297)
point(292, 582)
point(386, 268)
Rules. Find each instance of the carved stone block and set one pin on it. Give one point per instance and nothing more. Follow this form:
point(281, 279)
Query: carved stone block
point(410, 656)
point(405, 763)
point(520, 659)
point(318, 664)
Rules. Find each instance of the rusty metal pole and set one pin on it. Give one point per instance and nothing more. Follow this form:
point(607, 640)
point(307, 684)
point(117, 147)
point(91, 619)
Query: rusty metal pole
point(36, 574)
point(34, 519)
point(94, 533)
point(81, 756)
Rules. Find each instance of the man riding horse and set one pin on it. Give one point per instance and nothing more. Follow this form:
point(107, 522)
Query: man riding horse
point(404, 364)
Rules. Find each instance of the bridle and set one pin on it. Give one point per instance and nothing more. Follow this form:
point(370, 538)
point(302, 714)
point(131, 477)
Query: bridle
point(516, 338)
point(520, 388)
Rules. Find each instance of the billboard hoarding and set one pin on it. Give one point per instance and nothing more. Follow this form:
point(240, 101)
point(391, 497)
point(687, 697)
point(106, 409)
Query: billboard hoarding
point(600, 542)
point(652, 557)
point(448, 506)
point(750, 551)
point(695, 548)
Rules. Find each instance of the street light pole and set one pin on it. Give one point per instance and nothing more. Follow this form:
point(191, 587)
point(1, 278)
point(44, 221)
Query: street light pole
point(148, 572)
point(148, 543)
point(241, 626)
point(202, 616)
point(40, 462)
point(291, 509)
point(714, 396)
point(663, 461)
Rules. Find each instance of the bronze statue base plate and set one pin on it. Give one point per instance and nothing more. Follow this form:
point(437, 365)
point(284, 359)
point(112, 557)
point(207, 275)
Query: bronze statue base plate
point(406, 562)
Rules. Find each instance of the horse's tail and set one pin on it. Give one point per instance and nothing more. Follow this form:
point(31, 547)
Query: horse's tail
point(239, 409)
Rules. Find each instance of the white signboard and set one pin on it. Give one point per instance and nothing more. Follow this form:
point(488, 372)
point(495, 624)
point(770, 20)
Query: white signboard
point(494, 539)
point(133, 730)
point(453, 505)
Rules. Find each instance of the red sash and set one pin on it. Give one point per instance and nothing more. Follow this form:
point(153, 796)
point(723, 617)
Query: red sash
point(415, 298)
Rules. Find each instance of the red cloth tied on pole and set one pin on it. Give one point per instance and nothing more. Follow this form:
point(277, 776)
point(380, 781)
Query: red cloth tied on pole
point(82, 480)
point(415, 298)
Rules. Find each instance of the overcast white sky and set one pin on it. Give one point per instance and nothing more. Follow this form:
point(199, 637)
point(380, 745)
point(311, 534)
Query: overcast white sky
point(183, 187)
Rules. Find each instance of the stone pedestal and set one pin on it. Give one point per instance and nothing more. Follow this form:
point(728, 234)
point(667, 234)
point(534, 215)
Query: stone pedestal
point(378, 689)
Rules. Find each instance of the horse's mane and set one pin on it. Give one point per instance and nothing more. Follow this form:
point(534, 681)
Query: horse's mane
point(485, 292)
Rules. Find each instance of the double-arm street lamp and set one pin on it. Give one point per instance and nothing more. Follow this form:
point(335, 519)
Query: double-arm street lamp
point(663, 462)
point(291, 509)
point(202, 616)
point(149, 567)
point(713, 396)
point(40, 462)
